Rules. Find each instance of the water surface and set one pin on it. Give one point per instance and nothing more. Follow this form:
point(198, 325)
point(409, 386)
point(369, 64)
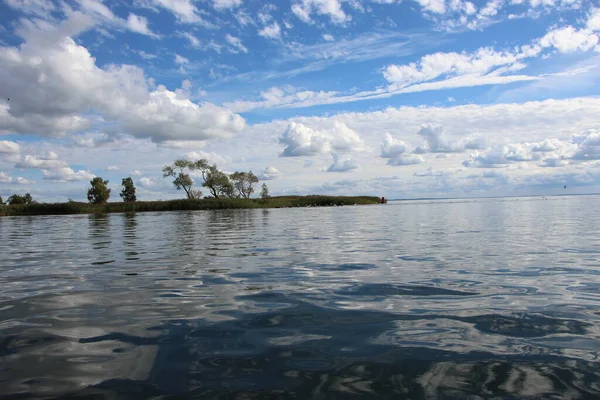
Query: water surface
point(494, 298)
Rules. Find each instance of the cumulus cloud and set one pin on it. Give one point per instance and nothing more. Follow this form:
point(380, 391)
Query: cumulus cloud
point(301, 140)
point(436, 141)
point(112, 168)
point(10, 151)
point(330, 8)
point(552, 152)
point(269, 173)
point(5, 178)
point(53, 168)
point(146, 182)
point(51, 161)
point(66, 174)
point(405, 159)
point(569, 39)
point(139, 24)
point(272, 31)
point(392, 148)
point(588, 144)
point(223, 5)
point(58, 82)
point(184, 10)
point(343, 164)
point(593, 22)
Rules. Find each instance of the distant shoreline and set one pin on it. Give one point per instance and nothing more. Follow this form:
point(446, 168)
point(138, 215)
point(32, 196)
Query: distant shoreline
point(74, 207)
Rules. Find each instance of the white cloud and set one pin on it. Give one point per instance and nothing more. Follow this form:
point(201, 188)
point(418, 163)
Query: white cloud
point(328, 37)
point(147, 182)
point(194, 41)
point(269, 173)
point(243, 18)
point(184, 10)
point(60, 82)
point(10, 151)
point(552, 152)
point(436, 141)
point(98, 8)
point(41, 8)
point(279, 97)
point(405, 159)
point(139, 24)
point(437, 65)
point(136, 172)
point(5, 178)
point(392, 148)
point(300, 140)
point(272, 31)
point(343, 164)
point(181, 60)
point(49, 162)
point(331, 8)
point(593, 22)
point(112, 168)
point(22, 181)
point(236, 44)
point(570, 39)
point(66, 174)
point(223, 5)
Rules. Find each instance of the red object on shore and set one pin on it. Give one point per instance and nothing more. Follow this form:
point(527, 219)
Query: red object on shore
point(383, 200)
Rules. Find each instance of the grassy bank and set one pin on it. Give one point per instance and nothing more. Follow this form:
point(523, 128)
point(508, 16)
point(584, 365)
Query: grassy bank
point(74, 207)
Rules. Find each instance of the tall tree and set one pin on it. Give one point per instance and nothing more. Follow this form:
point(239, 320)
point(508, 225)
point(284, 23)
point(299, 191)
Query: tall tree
point(181, 179)
point(264, 192)
point(128, 192)
point(1, 201)
point(217, 182)
point(17, 199)
point(242, 183)
point(99, 192)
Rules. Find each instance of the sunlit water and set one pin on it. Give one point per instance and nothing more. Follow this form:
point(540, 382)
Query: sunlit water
point(495, 298)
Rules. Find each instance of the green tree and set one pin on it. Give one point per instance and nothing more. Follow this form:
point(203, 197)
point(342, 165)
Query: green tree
point(264, 192)
point(128, 192)
point(98, 193)
point(242, 183)
point(181, 179)
point(217, 182)
point(1, 201)
point(17, 199)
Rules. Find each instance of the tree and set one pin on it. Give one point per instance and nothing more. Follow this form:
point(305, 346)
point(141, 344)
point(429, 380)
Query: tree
point(98, 193)
point(217, 182)
point(264, 192)
point(181, 179)
point(242, 183)
point(1, 201)
point(17, 199)
point(128, 192)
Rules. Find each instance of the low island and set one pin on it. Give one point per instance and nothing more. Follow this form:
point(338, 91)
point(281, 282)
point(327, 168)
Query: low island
point(226, 191)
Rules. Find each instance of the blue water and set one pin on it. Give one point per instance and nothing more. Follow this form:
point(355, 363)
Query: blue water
point(477, 299)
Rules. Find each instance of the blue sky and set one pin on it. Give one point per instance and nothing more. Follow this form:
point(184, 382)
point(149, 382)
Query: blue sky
point(400, 99)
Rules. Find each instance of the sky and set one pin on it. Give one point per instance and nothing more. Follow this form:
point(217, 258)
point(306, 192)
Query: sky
point(394, 98)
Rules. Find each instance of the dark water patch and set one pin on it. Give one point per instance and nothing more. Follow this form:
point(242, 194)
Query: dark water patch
point(418, 259)
point(381, 289)
point(346, 267)
point(527, 325)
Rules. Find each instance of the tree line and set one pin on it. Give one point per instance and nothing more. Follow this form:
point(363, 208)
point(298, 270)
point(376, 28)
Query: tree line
point(219, 184)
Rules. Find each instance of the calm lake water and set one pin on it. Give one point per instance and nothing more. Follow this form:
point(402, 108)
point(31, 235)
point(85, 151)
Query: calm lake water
point(494, 298)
